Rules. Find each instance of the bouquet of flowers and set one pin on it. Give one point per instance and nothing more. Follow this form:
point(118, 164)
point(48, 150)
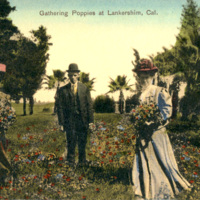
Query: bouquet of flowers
point(7, 114)
point(146, 117)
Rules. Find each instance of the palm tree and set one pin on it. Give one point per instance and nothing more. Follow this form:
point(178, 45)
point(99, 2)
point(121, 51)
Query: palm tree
point(120, 84)
point(53, 81)
point(85, 79)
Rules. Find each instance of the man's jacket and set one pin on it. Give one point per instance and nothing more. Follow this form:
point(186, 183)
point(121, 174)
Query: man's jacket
point(65, 109)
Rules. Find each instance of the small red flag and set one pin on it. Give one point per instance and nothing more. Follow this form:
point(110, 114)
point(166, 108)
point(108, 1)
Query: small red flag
point(2, 67)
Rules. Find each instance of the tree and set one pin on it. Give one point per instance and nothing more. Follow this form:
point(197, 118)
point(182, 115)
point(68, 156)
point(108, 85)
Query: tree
point(7, 30)
point(136, 64)
point(28, 66)
point(85, 79)
point(184, 57)
point(188, 48)
point(119, 84)
point(53, 81)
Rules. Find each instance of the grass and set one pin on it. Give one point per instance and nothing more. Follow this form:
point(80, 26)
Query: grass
point(37, 136)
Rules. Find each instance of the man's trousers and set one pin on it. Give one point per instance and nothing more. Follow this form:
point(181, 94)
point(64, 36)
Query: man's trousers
point(77, 134)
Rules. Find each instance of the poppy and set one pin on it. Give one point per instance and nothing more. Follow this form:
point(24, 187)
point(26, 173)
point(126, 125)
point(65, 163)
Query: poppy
point(68, 179)
point(133, 137)
point(191, 181)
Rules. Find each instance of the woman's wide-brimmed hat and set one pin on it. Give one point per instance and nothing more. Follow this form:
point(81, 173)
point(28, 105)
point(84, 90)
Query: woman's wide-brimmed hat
point(73, 67)
point(145, 66)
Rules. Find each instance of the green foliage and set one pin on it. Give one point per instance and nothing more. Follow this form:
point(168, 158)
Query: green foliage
point(184, 57)
point(7, 30)
point(5, 8)
point(37, 135)
point(50, 81)
point(85, 79)
point(108, 117)
point(119, 84)
point(132, 102)
point(57, 77)
point(28, 65)
point(104, 104)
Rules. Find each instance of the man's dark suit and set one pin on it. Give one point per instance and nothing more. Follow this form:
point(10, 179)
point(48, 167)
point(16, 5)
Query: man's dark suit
point(75, 112)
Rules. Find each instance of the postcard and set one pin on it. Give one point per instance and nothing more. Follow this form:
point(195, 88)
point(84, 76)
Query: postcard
point(100, 38)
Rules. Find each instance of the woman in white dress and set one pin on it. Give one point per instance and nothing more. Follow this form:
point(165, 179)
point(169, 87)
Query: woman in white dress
point(155, 173)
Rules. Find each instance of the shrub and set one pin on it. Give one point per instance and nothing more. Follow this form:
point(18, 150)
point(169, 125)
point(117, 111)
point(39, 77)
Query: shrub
point(132, 102)
point(104, 104)
point(45, 109)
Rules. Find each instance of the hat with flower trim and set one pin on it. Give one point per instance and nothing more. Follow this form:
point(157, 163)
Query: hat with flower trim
point(145, 65)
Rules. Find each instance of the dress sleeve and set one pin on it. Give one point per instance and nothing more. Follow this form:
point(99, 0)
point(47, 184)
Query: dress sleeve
point(165, 104)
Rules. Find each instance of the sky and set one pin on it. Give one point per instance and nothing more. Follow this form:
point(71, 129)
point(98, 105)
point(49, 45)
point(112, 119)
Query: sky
point(100, 43)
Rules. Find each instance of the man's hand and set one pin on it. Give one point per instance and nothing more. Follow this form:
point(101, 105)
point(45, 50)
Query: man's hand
point(91, 126)
point(61, 128)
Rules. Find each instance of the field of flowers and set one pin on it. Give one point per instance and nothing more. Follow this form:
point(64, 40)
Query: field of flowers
point(35, 150)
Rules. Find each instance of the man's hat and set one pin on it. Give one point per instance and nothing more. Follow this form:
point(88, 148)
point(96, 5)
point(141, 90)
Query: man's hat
point(73, 67)
point(145, 66)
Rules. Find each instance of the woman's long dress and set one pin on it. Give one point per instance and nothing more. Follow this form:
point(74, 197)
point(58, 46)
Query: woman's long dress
point(155, 173)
